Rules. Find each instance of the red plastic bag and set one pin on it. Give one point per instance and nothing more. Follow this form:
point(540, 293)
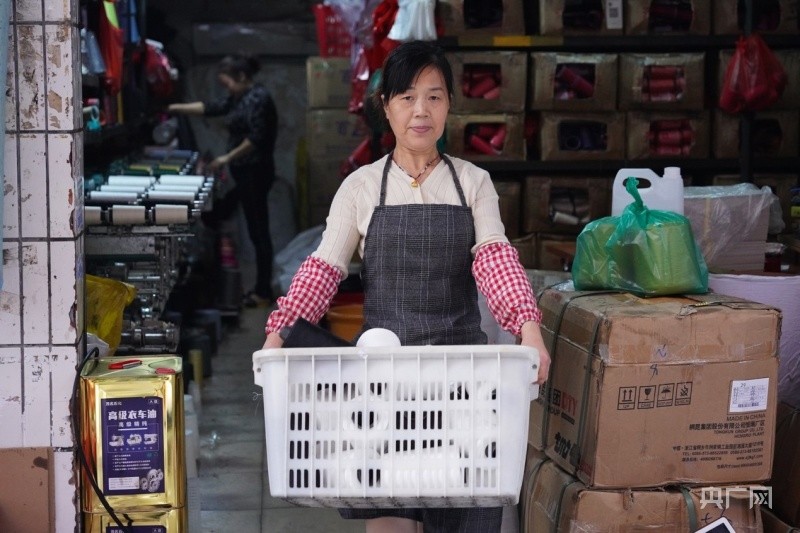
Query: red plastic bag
point(112, 46)
point(754, 78)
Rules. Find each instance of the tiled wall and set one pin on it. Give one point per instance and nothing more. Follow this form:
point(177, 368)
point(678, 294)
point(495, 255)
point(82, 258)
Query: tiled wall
point(41, 302)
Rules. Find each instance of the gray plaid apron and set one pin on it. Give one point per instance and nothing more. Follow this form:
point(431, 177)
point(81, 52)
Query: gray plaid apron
point(417, 278)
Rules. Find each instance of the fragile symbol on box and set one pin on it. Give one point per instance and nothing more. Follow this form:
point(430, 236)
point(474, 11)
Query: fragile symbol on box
point(647, 396)
point(684, 393)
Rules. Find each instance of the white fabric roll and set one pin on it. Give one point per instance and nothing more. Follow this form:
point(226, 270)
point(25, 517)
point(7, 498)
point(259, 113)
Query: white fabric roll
point(124, 188)
point(92, 215)
point(105, 196)
point(171, 179)
point(171, 196)
point(131, 180)
point(171, 214)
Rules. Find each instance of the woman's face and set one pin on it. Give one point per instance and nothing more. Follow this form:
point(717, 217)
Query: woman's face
point(233, 86)
point(418, 115)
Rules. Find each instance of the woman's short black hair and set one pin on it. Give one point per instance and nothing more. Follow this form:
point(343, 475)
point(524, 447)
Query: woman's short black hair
point(236, 65)
point(404, 63)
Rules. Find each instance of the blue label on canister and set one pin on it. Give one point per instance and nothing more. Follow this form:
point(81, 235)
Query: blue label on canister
point(133, 446)
point(137, 529)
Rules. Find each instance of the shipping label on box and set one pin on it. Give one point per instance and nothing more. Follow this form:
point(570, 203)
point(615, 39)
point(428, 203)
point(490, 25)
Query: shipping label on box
point(490, 137)
point(563, 17)
point(573, 82)
point(329, 83)
point(670, 135)
point(489, 82)
point(667, 17)
point(693, 384)
point(662, 81)
point(768, 17)
point(582, 136)
point(564, 504)
point(334, 133)
point(564, 204)
point(463, 18)
point(773, 134)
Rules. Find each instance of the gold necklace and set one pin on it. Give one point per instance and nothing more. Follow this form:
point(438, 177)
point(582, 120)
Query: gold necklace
point(414, 181)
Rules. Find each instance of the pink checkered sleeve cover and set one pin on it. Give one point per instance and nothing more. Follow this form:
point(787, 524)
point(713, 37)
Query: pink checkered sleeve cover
point(501, 278)
point(309, 296)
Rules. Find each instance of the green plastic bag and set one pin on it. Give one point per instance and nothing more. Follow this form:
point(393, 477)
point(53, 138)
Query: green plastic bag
point(644, 251)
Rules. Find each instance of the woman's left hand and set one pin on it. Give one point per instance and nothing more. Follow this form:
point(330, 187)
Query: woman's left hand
point(532, 336)
point(219, 162)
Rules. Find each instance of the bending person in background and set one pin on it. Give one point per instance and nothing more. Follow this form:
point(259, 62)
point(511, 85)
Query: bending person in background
point(428, 229)
point(252, 123)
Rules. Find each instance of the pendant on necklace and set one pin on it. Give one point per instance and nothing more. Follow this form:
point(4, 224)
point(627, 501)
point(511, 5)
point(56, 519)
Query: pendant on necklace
point(414, 183)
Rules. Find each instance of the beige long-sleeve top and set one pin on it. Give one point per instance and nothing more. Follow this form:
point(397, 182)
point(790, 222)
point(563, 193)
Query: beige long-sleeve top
point(359, 194)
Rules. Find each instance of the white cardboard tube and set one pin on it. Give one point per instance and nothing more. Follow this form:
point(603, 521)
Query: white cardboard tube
point(171, 196)
point(123, 188)
point(131, 180)
point(170, 179)
point(177, 188)
point(171, 214)
point(123, 215)
point(105, 196)
point(92, 215)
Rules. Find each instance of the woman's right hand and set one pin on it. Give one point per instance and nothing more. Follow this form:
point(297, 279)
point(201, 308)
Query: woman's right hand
point(273, 341)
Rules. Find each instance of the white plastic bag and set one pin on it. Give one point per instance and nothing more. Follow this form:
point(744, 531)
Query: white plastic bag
point(414, 20)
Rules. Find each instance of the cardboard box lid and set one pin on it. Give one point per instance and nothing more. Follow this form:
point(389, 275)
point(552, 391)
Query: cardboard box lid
point(627, 329)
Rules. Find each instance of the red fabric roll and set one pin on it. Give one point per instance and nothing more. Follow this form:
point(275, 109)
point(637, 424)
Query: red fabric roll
point(583, 88)
point(482, 146)
point(499, 138)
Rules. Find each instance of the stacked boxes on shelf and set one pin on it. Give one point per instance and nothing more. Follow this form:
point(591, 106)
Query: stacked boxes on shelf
point(629, 375)
point(486, 117)
point(332, 132)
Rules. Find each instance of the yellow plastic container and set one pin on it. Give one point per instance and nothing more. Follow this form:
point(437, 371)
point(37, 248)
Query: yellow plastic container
point(346, 321)
point(166, 521)
point(132, 432)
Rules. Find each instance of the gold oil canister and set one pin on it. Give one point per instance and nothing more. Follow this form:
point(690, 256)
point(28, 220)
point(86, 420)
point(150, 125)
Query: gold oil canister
point(132, 432)
point(164, 521)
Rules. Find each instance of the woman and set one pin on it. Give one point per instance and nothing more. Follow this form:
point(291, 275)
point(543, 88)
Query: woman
point(252, 123)
point(417, 218)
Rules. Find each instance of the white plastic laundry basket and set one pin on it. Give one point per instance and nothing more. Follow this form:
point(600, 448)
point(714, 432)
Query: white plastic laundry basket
point(420, 426)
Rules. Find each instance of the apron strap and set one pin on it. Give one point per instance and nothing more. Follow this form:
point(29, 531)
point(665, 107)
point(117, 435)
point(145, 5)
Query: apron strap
point(447, 161)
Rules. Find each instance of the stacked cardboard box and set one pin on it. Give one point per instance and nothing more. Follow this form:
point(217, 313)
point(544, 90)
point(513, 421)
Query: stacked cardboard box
point(647, 393)
point(332, 134)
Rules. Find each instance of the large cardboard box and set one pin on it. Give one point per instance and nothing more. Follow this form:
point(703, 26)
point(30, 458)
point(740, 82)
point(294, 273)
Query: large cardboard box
point(479, 19)
point(562, 504)
point(658, 391)
point(27, 490)
point(782, 20)
point(333, 133)
point(510, 69)
point(582, 136)
point(559, 204)
point(328, 82)
point(551, 71)
point(785, 480)
point(681, 78)
point(773, 134)
point(534, 459)
point(641, 19)
point(562, 17)
point(654, 135)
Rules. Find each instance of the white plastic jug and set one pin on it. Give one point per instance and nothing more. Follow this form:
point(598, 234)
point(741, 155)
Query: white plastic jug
point(664, 193)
